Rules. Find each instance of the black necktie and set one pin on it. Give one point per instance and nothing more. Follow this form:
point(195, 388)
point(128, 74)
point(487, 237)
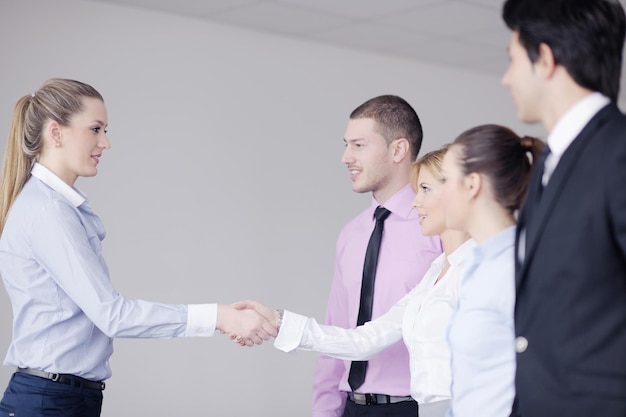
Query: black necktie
point(541, 166)
point(358, 368)
point(535, 189)
point(536, 186)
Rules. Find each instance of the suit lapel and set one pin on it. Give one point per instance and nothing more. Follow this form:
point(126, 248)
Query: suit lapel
point(535, 215)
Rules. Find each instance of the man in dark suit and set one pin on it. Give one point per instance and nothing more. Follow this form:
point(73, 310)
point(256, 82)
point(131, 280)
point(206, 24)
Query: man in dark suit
point(570, 314)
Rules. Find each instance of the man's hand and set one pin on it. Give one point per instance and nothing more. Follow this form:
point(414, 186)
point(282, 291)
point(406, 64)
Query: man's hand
point(245, 325)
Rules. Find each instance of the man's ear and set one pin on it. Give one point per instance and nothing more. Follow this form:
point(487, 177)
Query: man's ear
point(401, 149)
point(545, 64)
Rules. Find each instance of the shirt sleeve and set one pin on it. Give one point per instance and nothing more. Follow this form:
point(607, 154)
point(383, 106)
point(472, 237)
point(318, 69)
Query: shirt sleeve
point(64, 248)
point(350, 344)
point(328, 401)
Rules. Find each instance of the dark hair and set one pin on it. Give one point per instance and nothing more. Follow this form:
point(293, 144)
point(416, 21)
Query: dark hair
point(57, 99)
point(395, 118)
point(501, 155)
point(586, 37)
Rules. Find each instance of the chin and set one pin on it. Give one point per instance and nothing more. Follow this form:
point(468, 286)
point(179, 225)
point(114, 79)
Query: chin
point(525, 117)
point(361, 188)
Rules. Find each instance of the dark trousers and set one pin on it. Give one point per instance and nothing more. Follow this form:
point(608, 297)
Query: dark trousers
point(32, 396)
point(402, 409)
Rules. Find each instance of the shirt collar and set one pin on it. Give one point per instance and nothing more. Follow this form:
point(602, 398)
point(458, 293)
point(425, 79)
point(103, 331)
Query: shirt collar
point(492, 246)
point(573, 122)
point(460, 254)
point(399, 204)
point(51, 180)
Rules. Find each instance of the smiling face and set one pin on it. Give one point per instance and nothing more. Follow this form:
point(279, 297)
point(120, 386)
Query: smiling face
point(74, 151)
point(368, 157)
point(454, 195)
point(428, 203)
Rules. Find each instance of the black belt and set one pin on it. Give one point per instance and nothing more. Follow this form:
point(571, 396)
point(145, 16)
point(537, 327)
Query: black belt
point(67, 379)
point(376, 399)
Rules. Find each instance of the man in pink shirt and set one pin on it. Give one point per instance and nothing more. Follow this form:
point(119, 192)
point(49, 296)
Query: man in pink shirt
point(382, 139)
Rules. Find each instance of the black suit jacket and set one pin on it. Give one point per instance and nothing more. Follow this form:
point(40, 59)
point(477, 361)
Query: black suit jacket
point(570, 313)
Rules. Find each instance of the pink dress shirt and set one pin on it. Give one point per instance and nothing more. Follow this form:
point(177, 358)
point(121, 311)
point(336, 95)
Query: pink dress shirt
point(405, 255)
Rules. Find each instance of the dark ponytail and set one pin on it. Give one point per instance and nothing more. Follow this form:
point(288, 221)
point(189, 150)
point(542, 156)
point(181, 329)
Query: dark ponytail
point(503, 157)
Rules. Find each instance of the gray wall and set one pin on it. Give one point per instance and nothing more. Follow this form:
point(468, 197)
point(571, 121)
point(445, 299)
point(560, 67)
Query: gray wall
point(224, 179)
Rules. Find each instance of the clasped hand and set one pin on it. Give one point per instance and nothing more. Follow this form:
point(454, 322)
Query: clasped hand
point(247, 322)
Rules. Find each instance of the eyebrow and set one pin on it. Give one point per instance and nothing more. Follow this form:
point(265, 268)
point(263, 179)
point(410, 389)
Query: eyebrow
point(352, 139)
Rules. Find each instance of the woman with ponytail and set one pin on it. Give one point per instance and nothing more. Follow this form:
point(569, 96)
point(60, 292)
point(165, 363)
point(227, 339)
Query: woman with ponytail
point(25, 141)
point(486, 172)
point(65, 310)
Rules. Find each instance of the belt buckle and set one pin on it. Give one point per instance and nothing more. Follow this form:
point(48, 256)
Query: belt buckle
point(359, 398)
point(364, 399)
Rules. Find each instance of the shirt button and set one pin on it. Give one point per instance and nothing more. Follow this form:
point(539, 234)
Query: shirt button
point(521, 344)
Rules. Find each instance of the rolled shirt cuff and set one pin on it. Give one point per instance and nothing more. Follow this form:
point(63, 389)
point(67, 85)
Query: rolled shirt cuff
point(201, 320)
point(291, 331)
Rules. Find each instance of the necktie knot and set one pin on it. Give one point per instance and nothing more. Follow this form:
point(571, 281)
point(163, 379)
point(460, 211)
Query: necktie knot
point(381, 213)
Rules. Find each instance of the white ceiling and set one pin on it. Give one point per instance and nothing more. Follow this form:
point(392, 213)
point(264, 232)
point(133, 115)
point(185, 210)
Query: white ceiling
point(468, 34)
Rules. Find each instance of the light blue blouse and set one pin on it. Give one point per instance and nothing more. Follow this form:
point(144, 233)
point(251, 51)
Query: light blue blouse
point(482, 334)
point(65, 310)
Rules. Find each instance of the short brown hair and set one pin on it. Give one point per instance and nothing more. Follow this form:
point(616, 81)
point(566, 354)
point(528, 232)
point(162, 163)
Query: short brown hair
point(395, 119)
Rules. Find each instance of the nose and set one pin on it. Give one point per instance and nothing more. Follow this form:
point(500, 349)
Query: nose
point(505, 78)
point(347, 158)
point(417, 201)
point(104, 142)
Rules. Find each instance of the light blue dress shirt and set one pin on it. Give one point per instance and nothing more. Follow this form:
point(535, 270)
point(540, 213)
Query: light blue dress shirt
point(482, 334)
point(65, 309)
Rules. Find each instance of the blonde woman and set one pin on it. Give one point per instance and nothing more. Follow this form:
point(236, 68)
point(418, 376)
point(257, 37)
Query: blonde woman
point(65, 310)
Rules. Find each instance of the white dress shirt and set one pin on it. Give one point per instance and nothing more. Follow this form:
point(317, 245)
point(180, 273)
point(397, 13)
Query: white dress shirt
point(568, 127)
point(421, 318)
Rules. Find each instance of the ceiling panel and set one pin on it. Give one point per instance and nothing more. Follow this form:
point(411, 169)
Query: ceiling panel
point(361, 9)
point(465, 34)
point(279, 18)
point(367, 36)
point(447, 19)
point(192, 8)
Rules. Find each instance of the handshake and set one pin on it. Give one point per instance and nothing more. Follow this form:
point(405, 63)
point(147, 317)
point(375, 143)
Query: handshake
point(248, 322)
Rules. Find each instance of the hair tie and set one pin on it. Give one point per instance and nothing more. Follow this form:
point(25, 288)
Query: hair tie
point(527, 143)
point(33, 94)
